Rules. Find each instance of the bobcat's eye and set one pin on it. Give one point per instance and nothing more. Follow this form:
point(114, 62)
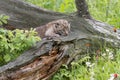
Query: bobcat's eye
point(57, 25)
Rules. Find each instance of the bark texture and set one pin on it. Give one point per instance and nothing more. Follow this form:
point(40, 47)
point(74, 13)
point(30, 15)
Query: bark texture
point(82, 9)
point(44, 59)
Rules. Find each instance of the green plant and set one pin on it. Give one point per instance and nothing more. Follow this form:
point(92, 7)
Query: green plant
point(13, 43)
point(105, 10)
point(100, 68)
point(77, 71)
point(66, 6)
point(3, 19)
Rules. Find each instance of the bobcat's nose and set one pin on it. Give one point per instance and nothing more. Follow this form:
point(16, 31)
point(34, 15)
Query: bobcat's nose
point(66, 33)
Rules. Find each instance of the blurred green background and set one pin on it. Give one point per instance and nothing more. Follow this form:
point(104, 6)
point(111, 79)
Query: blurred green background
point(104, 10)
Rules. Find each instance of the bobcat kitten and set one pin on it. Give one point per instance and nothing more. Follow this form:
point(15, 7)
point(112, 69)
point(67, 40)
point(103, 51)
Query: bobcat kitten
point(55, 28)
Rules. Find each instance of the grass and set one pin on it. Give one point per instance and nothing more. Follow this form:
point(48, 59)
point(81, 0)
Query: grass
point(103, 65)
point(100, 68)
point(65, 6)
point(104, 10)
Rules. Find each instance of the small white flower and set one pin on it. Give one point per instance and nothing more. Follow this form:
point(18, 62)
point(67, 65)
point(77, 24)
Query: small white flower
point(104, 54)
point(92, 64)
point(26, 31)
point(88, 64)
point(111, 56)
point(113, 76)
point(107, 50)
point(91, 78)
point(115, 43)
point(92, 73)
point(103, 68)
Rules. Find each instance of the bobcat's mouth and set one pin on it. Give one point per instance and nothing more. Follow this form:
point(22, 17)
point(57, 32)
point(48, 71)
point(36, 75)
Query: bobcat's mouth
point(61, 33)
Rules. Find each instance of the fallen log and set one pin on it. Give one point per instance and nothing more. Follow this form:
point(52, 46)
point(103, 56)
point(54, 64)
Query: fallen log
point(44, 59)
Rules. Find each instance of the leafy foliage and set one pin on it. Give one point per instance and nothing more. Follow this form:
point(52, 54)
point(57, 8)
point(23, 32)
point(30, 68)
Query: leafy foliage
point(3, 19)
point(98, 69)
point(13, 43)
point(66, 6)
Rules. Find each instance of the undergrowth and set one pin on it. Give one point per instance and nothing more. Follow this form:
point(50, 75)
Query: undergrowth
point(13, 43)
point(101, 67)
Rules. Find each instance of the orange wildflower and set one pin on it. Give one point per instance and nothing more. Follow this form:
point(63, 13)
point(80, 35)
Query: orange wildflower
point(88, 45)
point(115, 29)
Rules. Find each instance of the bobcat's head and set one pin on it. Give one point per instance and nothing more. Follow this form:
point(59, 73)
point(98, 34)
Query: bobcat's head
point(62, 27)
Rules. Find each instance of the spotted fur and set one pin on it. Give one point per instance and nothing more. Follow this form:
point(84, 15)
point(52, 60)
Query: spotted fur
point(55, 28)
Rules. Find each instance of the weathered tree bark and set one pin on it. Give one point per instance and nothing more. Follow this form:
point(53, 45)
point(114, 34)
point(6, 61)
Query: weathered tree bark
point(82, 9)
point(44, 59)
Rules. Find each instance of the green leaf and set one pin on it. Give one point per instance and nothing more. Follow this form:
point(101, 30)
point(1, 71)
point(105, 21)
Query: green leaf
point(7, 57)
point(4, 21)
point(6, 17)
point(1, 23)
